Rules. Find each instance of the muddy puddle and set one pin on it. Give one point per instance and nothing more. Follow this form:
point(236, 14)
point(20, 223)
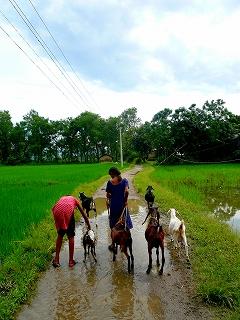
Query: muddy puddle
point(102, 290)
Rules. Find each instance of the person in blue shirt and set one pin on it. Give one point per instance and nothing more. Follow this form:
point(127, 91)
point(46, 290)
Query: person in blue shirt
point(117, 198)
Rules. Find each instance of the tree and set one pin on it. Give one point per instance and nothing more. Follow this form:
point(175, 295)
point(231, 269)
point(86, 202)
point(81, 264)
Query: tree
point(6, 128)
point(129, 123)
point(162, 136)
point(37, 130)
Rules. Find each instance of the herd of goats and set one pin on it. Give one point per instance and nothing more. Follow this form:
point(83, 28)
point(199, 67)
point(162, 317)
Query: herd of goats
point(154, 234)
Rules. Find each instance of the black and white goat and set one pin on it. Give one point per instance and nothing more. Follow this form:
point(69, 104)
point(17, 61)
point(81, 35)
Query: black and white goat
point(149, 196)
point(177, 231)
point(89, 242)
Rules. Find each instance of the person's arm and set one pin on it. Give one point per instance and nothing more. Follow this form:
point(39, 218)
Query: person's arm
point(108, 198)
point(108, 195)
point(84, 216)
point(126, 193)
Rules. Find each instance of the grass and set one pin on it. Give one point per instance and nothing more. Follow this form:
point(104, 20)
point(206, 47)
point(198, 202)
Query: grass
point(28, 192)
point(215, 254)
point(28, 195)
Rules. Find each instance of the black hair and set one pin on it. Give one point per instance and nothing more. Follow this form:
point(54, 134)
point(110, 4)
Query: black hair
point(114, 171)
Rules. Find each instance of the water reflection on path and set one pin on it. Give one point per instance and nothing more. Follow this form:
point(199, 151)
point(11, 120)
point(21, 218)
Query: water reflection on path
point(102, 290)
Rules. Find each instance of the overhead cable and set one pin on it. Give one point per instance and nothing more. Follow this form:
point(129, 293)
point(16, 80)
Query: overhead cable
point(39, 57)
point(8, 35)
point(45, 46)
point(64, 56)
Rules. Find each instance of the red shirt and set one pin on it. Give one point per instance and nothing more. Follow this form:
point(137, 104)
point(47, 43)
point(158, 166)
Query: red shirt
point(63, 210)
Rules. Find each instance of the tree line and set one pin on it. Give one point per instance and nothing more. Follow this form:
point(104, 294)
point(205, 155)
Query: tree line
point(207, 134)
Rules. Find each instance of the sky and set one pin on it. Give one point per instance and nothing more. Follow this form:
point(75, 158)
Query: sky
point(65, 57)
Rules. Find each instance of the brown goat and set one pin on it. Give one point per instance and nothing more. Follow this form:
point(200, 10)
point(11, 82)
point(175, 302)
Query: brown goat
point(154, 235)
point(121, 236)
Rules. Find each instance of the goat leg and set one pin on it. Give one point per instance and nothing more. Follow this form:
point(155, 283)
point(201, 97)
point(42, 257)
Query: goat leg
point(93, 253)
point(85, 253)
point(157, 253)
point(114, 251)
point(150, 259)
point(163, 259)
point(129, 264)
point(124, 250)
point(186, 247)
point(131, 254)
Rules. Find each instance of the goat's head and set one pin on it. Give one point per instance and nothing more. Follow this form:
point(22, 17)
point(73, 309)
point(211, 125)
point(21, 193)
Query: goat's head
point(149, 188)
point(89, 237)
point(153, 212)
point(82, 195)
point(172, 212)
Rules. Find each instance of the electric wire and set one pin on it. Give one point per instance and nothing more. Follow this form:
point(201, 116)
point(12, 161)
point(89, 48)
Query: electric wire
point(39, 57)
point(44, 46)
point(25, 53)
point(207, 162)
point(64, 56)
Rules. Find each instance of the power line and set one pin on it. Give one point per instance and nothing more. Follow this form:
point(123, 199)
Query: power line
point(61, 51)
point(8, 35)
point(208, 162)
point(44, 45)
point(29, 45)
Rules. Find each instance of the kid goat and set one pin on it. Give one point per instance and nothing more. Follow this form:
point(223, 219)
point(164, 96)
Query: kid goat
point(177, 231)
point(89, 242)
point(155, 237)
point(121, 236)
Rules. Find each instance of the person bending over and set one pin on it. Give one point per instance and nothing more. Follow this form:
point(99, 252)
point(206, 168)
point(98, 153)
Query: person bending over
point(63, 213)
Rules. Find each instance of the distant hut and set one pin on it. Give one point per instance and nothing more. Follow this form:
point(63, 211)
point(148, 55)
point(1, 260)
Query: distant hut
point(152, 156)
point(106, 158)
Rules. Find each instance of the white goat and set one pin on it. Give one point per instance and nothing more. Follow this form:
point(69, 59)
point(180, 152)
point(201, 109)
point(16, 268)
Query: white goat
point(177, 231)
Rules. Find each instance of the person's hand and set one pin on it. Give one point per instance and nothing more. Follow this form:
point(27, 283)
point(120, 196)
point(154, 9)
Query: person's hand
point(107, 204)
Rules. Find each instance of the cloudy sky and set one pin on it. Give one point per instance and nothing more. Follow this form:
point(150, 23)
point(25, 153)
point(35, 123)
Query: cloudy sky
point(116, 55)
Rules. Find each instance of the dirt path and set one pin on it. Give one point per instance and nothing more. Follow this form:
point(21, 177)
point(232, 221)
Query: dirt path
point(104, 290)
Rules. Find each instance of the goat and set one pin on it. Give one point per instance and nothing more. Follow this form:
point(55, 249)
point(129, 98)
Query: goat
point(177, 231)
point(121, 236)
point(89, 242)
point(87, 203)
point(149, 196)
point(155, 236)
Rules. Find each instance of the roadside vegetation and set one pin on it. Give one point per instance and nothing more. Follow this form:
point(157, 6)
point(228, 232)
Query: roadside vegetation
point(27, 228)
point(214, 248)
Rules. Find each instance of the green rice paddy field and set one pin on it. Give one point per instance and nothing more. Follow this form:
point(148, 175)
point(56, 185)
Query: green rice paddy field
point(27, 194)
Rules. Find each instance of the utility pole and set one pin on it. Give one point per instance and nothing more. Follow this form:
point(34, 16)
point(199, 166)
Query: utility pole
point(121, 152)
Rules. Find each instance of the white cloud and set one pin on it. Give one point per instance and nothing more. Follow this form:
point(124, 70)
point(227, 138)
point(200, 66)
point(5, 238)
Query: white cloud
point(177, 57)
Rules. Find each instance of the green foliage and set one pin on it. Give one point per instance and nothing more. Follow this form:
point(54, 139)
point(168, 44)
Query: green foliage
point(193, 134)
point(28, 192)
